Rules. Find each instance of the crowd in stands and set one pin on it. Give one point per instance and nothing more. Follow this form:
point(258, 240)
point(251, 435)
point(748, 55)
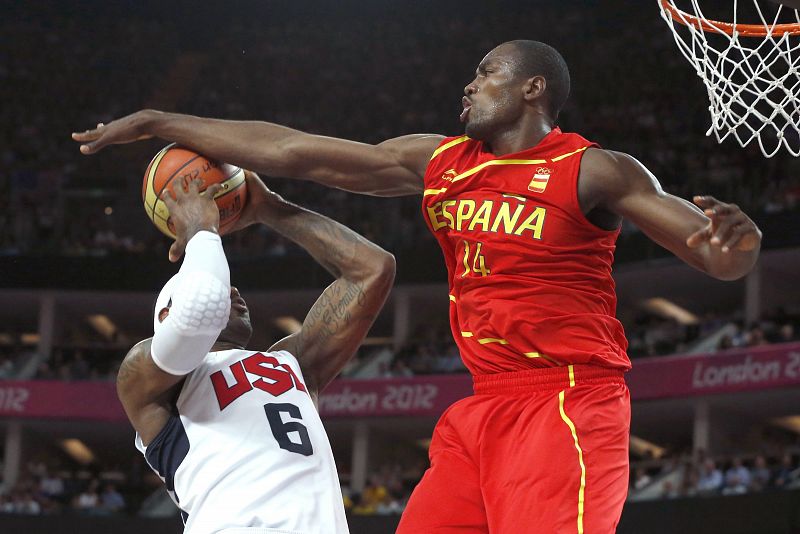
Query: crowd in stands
point(387, 491)
point(50, 489)
point(393, 73)
point(652, 335)
point(701, 476)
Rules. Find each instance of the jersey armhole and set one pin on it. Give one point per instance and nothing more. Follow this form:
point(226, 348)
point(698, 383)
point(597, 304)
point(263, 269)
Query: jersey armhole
point(576, 203)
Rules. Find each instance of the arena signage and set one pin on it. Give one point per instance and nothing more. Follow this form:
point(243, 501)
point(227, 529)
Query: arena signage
point(733, 371)
point(422, 396)
point(60, 400)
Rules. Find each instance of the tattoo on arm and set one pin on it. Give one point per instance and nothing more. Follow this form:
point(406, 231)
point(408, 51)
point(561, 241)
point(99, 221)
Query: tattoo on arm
point(131, 367)
point(333, 312)
point(334, 246)
point(335, 327)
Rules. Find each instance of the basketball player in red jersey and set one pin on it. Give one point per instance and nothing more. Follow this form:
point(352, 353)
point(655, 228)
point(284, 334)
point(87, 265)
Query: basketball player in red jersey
point(527, 217)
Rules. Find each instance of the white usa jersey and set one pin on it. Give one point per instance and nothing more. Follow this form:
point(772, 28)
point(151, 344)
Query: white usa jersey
point(247, 453)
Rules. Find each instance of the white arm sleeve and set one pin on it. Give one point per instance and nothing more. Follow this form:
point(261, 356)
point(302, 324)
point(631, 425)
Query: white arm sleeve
point(201, 303)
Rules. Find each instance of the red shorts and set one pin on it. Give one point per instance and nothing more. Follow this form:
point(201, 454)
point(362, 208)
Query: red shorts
point(538, 451)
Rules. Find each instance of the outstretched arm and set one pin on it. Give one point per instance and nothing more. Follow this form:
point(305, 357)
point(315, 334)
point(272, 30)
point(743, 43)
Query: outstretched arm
point(341, 317)
point(392, 168)
point(714, 237)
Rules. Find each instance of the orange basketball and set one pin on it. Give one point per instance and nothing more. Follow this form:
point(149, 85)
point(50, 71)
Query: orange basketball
point(175, 165)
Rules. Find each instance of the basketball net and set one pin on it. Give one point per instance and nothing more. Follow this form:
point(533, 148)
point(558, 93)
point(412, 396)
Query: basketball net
point(751, 71)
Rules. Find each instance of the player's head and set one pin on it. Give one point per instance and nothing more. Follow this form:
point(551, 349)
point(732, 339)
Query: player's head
point(515, 80)
point(238, 330)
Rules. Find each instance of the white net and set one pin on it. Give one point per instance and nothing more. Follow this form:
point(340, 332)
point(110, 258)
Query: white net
point(753, 80)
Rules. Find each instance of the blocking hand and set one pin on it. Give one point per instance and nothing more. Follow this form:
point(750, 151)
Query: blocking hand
point(729, 227)
point(125, 130)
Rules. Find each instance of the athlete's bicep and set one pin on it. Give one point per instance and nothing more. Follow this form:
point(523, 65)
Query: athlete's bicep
point(145, 391)
point(393, 168)
point(631, 191)
point(337, 323)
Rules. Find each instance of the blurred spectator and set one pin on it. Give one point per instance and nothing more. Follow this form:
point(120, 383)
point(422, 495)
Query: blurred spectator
point(88, 501)
point(24, 503)
point(111, 500)
point(79, 368)
point(737, 479)
point(642, 479)
point(6, 366)
point(52, 486)
point(374, 493)
point(710, 480)
point(761, 474)
point(785, 472)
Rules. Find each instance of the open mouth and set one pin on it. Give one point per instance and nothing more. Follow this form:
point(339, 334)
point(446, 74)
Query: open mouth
point(465, 112)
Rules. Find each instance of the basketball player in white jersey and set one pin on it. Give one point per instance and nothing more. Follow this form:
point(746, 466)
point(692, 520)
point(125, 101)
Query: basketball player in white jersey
point(234, 433)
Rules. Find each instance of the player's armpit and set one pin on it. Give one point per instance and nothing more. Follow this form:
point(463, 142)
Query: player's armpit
point(337, 323)
point(145, 391)
point(627, 188)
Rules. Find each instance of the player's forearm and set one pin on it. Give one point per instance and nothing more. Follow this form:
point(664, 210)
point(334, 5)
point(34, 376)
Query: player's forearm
point(249, 144)
point(343, 252)
point(392, 168)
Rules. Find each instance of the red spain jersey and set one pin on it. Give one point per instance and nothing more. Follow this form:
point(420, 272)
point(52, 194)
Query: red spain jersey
point(529, 275)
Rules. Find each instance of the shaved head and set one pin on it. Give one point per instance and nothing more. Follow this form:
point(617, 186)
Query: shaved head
point(535, 58)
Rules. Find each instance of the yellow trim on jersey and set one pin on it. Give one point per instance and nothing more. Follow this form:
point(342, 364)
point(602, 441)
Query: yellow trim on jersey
point(518, 197)
point(568, 154)
point(428, 192)
point(451, 144)
point(571, 376)
point(537, 355)
point(452, 297)
point(466, 259)
point(486, 340)
point(485, 164)
point(582, 490)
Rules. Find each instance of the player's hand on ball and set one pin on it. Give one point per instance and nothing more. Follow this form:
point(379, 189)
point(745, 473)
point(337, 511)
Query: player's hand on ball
point(125, 130)
point(190, 212)
point(729, 228)
point(260, 199)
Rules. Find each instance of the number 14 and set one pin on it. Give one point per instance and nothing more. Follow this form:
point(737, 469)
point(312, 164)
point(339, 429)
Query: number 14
point(478, 262)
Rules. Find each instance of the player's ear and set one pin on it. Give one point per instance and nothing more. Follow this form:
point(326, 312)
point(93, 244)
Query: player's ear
point(534, 88)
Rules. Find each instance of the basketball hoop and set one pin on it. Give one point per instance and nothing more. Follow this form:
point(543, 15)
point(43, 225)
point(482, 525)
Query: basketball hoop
point(751, 71)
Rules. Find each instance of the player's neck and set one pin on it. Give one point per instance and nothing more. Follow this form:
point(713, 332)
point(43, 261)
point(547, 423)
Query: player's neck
point(225, 345)
point(521, 137)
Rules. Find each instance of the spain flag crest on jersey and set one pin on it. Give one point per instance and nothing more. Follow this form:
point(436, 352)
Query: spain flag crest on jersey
point(539, 182)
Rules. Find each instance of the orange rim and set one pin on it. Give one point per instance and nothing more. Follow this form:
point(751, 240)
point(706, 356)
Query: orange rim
point(746, 30)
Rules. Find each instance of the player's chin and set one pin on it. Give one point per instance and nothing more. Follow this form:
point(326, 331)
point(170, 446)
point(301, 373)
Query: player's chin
point(473, 130)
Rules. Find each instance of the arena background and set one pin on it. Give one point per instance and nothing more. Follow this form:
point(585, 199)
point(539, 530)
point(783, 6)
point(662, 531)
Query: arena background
point(716, 365)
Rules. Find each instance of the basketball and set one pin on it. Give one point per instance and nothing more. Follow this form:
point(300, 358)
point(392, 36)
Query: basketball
point(175, 165)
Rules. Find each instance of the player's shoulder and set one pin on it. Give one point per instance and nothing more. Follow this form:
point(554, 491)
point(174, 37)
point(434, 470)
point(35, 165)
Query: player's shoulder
point(139, 350)
point(602, 160)
point(610, 167)
point(607, 174)
point(413, 142)
point(412, 151)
